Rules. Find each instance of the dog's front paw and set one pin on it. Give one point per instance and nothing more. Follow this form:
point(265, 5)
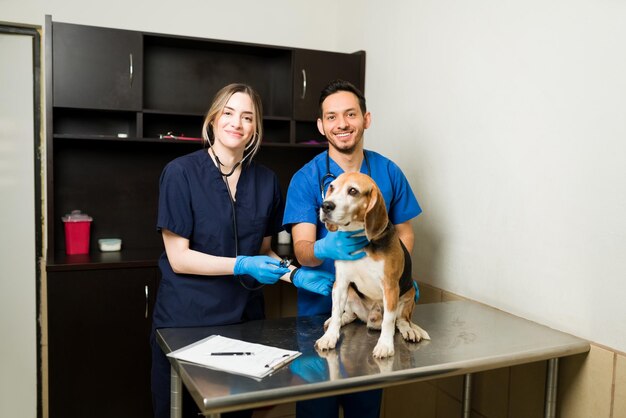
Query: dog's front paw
point(421, 333)
point(413, 333)
point(383, 350)
point(328, 341)
point(410, 334)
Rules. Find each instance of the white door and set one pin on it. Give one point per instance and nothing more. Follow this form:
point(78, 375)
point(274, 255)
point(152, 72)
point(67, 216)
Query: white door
point(18, 242)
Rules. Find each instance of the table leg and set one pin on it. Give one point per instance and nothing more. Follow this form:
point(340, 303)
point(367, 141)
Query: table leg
point(467, 395)
point(551, 388)
point(176, 395)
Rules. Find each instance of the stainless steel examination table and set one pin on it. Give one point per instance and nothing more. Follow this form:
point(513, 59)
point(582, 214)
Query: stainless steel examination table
point(467, 337)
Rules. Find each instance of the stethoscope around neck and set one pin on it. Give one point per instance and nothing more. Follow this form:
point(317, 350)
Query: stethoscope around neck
point(329, 177)
point(225, 176)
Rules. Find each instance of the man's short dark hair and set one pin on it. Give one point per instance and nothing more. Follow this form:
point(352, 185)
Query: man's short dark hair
point(336, 86)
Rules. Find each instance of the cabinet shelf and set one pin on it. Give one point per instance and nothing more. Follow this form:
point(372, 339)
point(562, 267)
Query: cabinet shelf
point(111, 138)
point(97, 260)
point(134, 258)
point(196, 114)
point(171, 112)
point(184, 74)
point(129, 140)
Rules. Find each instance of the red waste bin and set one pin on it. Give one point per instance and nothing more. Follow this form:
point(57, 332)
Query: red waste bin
point(77, 232)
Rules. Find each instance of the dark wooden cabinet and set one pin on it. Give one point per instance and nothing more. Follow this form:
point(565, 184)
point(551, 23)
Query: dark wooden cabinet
point(98, 342)
point(111, 97)
point(313, 70)
point(97, 68)
point(116, 183)
point(182, 75)
point(106, 122)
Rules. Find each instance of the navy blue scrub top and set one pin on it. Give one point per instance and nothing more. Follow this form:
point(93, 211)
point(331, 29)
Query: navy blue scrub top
point(194, 203)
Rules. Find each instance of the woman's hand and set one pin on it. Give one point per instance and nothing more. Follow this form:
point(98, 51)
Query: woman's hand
point(264, 269)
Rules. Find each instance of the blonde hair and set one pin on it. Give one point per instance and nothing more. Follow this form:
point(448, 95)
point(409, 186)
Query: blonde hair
point(217, 107)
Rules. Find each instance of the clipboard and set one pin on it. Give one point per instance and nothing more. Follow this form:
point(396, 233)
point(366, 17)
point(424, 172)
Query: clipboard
point(235, 356)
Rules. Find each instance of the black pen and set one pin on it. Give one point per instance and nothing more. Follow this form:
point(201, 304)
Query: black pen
point(277, 362)
point(232, 353)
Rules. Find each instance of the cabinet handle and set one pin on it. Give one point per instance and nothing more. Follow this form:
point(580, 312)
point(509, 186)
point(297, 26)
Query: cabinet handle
point(147, 300)
point(130, 69)
point(303, 95)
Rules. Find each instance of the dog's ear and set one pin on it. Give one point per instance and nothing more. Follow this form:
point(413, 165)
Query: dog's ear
point(331, 227)
point(376, 215)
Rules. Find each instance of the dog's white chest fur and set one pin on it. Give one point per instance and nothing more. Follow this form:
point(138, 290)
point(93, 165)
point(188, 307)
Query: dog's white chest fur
point(366, 273)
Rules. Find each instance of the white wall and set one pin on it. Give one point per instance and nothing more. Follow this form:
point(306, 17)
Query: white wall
point(514, 113)
point(509, 118)
point(274, 22)
point(18, 313)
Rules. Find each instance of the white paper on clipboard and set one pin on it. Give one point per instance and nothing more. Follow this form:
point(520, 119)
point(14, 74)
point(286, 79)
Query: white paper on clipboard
point(262, 360)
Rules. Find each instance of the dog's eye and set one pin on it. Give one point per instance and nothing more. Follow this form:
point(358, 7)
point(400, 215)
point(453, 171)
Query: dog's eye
point(352, 191)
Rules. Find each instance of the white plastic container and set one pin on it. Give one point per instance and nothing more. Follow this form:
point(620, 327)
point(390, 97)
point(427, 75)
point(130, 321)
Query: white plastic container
point(110, 244)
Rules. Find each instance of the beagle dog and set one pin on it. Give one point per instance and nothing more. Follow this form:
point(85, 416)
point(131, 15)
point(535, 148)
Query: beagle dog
point(382, 278)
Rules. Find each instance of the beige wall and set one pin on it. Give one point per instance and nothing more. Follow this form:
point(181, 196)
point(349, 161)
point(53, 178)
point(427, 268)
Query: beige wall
point(508, 119)
point(273, 22)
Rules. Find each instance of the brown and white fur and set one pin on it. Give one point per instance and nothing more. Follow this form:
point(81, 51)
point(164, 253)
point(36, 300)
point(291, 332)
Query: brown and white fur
point(354, 202)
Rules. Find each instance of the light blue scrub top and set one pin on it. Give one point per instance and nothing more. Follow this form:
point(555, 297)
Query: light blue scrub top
point(304, 199)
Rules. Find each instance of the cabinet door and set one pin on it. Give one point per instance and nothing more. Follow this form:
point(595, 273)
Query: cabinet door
point(313, 70)
point(98, 342)
point(96, 68)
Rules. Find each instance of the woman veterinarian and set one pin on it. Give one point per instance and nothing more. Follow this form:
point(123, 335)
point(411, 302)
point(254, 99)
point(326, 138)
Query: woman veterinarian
point(218, 211)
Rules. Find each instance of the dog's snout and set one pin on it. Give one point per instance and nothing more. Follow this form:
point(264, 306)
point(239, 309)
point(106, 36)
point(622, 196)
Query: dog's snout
point(328, 206)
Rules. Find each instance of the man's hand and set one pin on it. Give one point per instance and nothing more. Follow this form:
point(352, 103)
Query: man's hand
point(313, 280)
point(341, 245)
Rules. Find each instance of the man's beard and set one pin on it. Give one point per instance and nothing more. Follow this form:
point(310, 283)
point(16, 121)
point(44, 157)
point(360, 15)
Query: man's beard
point(347, 151)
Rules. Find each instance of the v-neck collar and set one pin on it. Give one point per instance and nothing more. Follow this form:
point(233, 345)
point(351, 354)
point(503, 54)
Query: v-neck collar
point(217, 176)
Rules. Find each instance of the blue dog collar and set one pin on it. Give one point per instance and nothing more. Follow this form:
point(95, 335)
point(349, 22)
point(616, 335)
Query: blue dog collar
point(417, 291)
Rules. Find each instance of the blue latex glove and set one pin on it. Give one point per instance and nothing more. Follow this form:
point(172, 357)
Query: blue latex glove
point(340, 245)
point(264, 269)
point(313, 280)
